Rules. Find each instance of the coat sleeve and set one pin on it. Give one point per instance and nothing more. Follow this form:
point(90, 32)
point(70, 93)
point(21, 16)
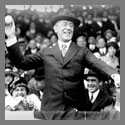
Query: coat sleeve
point(27, 62)
point(98, 65)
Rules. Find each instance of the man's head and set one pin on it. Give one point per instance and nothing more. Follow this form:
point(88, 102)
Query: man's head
point(32, 44)
point(81, 41)
point(101, 42)
point(109, 34)
point(64, 24)
point(64, 30)
point(93, 81)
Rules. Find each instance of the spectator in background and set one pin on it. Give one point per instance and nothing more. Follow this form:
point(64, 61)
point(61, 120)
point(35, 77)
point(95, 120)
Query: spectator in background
point(89, 23)
point(96, 98)
point(45, 44)
point(37, 83)
point(110, 58)
point(19, 99)
point(81, 41)
point(49, 33)
point(96, 26)
point(53, 39)
point(22, 44)
point(92, 44)
point(26, 23)
point(109, 36)
point(113, 19)
point(39, 39)
point(30, 34)
point(32, 47)
point(101, 45)
point(9, 77)
point(107, 24)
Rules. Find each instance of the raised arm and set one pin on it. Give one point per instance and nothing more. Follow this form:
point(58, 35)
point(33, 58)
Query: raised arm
point(101, 67)
point(22, 62)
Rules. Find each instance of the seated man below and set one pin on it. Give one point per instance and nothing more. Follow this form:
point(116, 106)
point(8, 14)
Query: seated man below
point(19, 100)
point(95, 97)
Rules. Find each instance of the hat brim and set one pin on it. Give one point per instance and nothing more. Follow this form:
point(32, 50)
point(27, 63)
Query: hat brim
point(86, 75)
point(18, 85)
point(11, 73)
point(109, 31)
point(100, 79)
point(69, 18)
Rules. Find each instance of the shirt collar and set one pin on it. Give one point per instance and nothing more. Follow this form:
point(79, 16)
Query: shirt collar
point(66, 43)
point(95, 94)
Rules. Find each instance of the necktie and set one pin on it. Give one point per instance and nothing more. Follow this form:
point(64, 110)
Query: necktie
point(63, 49)
point(91, 99)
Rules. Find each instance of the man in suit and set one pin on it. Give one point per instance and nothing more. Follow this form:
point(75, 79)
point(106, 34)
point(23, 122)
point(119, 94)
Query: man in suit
point(63, 67)
point(96, 98)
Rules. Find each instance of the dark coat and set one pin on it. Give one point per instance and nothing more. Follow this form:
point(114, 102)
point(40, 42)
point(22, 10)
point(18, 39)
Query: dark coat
point(108, 25)
point(103, 99)
point(63, 76)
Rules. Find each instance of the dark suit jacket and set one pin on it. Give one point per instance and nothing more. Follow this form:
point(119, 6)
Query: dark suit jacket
point(95, 29)
point(103, 99)
point(63, 76)
point(108, 25)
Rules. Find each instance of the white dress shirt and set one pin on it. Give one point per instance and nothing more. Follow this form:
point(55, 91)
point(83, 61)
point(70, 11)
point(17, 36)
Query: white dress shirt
point(95, 94)
point(60, 43)
point(102, 50)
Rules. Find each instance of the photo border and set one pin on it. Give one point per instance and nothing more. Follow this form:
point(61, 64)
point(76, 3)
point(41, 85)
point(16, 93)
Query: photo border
point(2, 59)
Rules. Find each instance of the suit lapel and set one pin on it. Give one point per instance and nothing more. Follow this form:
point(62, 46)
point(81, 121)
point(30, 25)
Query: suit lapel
point(98, 100)
point(70, 53)
point(57, 54)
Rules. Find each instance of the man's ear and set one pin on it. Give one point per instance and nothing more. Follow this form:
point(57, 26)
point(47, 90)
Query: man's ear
point(55, 28)
point(100, 83)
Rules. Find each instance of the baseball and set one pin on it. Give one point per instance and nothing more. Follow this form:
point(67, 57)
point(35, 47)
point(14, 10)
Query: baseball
point(8, 19)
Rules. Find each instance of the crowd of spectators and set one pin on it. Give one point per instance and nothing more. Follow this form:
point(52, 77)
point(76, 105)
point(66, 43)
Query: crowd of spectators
point(99, 31)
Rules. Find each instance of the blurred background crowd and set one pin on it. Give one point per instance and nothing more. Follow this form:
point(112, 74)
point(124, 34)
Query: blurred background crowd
point(99, 31)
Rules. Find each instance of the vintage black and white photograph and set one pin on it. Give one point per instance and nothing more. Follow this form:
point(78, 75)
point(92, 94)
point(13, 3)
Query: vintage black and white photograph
point(62, 62)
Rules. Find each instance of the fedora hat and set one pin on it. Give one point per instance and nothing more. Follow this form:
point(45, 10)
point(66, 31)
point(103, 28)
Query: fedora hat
point(109, 31)
point(92, 73)
point(65, 14)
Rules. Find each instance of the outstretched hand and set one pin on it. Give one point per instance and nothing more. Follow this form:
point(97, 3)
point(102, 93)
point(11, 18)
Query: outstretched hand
point(9, 26)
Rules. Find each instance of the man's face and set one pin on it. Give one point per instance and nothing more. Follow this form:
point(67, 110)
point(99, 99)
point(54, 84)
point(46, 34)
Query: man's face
point(40, 85)
point(64, 30)
point(19, 91)
point(81, 41)
point(32, 44)
point(101, 43)
point(108, 36)
point(92, 84)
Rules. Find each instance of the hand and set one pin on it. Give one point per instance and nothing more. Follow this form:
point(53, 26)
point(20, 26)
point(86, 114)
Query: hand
point(18, 99)
point(9, 26)
point(107, 108)
point(116, 78)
